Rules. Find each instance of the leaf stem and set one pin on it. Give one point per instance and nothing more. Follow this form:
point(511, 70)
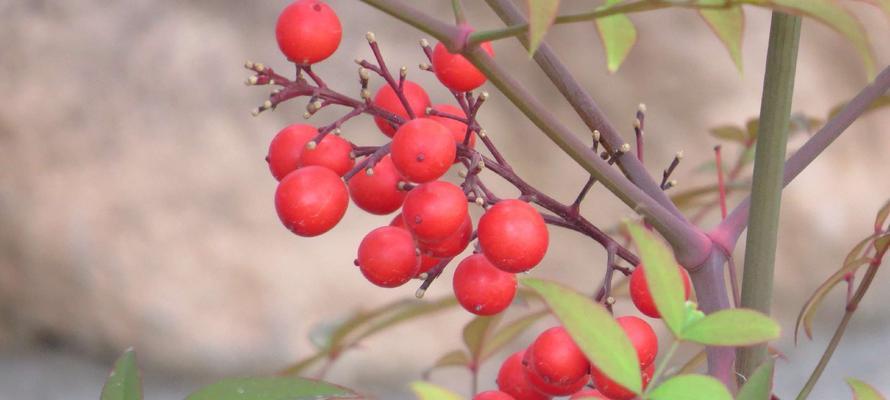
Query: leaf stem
point(459, 17)
point(766, 191)
point(662, 366)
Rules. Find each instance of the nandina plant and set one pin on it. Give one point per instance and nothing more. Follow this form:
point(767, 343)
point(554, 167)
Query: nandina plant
point(590, 353)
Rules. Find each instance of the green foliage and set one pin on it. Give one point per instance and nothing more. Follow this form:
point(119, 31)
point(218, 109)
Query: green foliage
point(541, 14)
point(759, 385)
point(729, 26)
point(334, 338)
point(732, 327)
point(271, 388)
point(618, 34)
point(123, 382)
point(428, 391)
point(594, 330)
point(661, 270)
point(690, 387)
point(863, 391)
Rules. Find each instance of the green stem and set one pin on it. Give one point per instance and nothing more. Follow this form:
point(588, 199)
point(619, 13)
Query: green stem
point(662, 366)
point(841, 328)
point(459, 17)
point(769, 164)
point(626, 8)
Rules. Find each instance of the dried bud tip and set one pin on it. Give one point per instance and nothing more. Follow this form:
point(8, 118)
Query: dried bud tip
point(679, 155)
point(481, 165)
point(248, 64)
point(624, 148)
point(358, 61)
point(251, 81)
point(363, 73)
point(429, 110)
point(483, 133)
point(641, 108)
point(483, 96)
point(637, 123)
point(259, 67)
point(402, 185)
point(366, 94)
point(271, 81)
point(419, 293)
point(352, 155)
point(462, 173)
point(610, 300)
point(369, 172)
point(596, 135)
point(267, 104)
point(337, 131)
point(371, 37)
point(307, 115)
point(422, 276)
point(424, 43)
point(311, 145)
point(480, 201)
point(255, 112)
point(403, 72)
point(424, 66)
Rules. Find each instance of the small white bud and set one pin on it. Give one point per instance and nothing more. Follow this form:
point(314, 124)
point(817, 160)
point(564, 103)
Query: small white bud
point(248, 64)
point(363, 73)
point(271, 81)
point(462, 173)
point(251, 80)
point(259, 67)
point(637, 124)
point(596, 135)
point(419, 293)
point(624, 148)
point(255, 112)
point(641, 108)
point(482, 133)
point(483, 96)
point(371, 37)
point(424, 43)
point(311, 145)
point(480, 201)
point(366, 94)
point(679, 155)
point(403, 72)
point(307, 115)
point(424, 66)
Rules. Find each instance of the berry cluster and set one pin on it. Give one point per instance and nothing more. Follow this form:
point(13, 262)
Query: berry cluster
point(553, 365)
point(319, 172)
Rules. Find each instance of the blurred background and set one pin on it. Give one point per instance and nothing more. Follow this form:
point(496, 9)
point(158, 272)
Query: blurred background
point(136, 208)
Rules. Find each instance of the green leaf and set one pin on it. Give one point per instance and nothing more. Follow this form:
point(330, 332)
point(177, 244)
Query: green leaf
point(805, 317)
point(882, 242)
point(690, 387)
point(618, 34)
point(123, 382)
point(594, 330)
point(752, 126)
point(730, 132)
point(508, 333)
point(830, 13)
point(881, 218)
point(733, 327)
point(693, 314)
point(428, 391)
point(760, 385)
point(729, 26)
point(476, 333)
point(863, 391)
point(541, 14)
point(662, 276)
point(454, 358)
point(271, 388)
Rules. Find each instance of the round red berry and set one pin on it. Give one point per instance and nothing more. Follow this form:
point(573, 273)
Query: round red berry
point(377, 193)
point(556, 358)
point(452, 245)
point(434, 210)
point(285, 148)
point(612, 390)
point(642, 336)
point(481, 288)
point(426, 262)
point(493, 395)
point(423, 150)
point(308, 31)
point(311, 200)
point(455, 71)
point(333, 152)
point(387, 99)
point(387, 256)
point(513, 235)
point(588, 394)
point(511, 380)
point(642, 298)
point(551, 389)
point(458, 129)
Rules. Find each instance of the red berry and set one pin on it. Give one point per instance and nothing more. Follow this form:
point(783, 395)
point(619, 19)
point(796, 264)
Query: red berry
point(311, 200)
point(285, 149)
point(556, 358)
point(511, 379)
point(387, 256)
point(493, 395)
point(513, 235)
point(426, 262)
point(554, 390)
point(455, 71)
point(333, 152)
point(642, 298)
point(642, 336)
point(423, 150)
point(387, 99)
point(377, 193)
point(308, 31)
point(588, 394)
point(434, 210)
point(458, 129)
point(613, 390)
point(481, 288)
point(452, 245)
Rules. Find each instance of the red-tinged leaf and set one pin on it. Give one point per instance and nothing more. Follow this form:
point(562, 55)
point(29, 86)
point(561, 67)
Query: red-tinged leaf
point(882, 243)
point(863, 391)
point(477, 332)
point(831, 13)
point(541, 14)
point(729, 26)
point(805, 317)
point(881, 218)
point(618, 34)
